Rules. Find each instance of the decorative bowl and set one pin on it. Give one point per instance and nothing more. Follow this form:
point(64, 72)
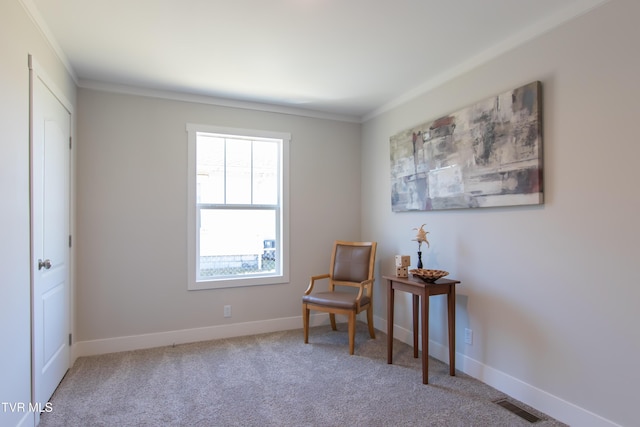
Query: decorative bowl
point(427, 275)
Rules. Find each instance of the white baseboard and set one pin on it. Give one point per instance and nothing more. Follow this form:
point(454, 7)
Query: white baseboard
point(526, 393)
point(539, 399)
point(160, 339)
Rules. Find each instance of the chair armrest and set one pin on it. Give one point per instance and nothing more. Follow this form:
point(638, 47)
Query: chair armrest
point(362, 287)
point(313, 280)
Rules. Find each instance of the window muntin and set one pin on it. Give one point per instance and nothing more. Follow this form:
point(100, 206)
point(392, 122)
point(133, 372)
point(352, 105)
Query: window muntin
point(238, 234)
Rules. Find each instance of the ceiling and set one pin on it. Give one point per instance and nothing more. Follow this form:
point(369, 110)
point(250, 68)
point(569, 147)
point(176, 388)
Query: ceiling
point(351, 58)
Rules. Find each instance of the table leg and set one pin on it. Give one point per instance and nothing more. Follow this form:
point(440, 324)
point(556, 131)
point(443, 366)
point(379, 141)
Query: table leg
point(416, 311)
point(390, 303)
point(451, 300)
point(425, 338)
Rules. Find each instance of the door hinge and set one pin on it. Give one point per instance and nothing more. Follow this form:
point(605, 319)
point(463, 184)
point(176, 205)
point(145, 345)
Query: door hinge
point(70, 339)
point(69, 143)
point(69, 240)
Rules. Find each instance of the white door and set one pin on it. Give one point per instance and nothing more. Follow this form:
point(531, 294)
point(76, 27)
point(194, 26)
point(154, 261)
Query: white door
point(50, 152)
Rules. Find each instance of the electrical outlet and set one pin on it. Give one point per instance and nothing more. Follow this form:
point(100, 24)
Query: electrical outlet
point(227, 311)
point(468, 336)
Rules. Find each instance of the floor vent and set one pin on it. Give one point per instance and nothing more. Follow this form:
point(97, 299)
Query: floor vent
point(517, 410)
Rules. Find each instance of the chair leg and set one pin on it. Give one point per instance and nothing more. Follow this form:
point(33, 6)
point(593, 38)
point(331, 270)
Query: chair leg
point(305, 323)
point(332, 318)
point(352, 331)
point(372, 333)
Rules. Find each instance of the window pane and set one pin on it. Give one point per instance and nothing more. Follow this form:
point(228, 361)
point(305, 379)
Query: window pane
point(238, 171)
point(236, 242)
point(265, 172)
point(210, 169)
point(237, 213)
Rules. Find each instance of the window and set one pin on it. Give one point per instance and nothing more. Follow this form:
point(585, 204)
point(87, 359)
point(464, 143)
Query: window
point(237, 207)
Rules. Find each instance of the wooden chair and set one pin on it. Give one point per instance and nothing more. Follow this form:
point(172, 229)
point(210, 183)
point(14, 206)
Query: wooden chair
point(352, 265)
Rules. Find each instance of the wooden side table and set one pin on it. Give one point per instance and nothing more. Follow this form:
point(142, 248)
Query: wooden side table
point(421, 292)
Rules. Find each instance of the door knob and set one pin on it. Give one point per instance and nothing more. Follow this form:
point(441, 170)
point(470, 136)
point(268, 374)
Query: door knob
point(46, 264)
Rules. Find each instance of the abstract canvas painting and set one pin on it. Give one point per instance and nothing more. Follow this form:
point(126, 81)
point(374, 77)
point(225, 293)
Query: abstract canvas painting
point(488, 154)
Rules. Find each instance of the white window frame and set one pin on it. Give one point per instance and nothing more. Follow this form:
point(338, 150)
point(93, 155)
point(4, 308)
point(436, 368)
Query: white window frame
point(192, 233)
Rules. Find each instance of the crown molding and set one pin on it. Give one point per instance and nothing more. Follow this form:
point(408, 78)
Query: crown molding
point(41, 25)
point(210, 100)
point(526, 34)
point(572, 11)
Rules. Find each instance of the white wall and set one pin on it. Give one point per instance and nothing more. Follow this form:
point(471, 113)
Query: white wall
point(18, 38)
point(132, 220)
point(550, 292)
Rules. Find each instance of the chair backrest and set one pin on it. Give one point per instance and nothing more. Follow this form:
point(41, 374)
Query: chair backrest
point(352, 262)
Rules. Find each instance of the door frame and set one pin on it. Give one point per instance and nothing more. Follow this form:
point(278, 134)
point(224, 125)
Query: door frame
point(38, 72)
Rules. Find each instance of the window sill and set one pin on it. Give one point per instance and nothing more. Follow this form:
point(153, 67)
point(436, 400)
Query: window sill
point(237, 283)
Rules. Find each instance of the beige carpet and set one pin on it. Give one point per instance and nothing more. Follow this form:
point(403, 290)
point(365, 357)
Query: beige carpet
point(275, 380)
